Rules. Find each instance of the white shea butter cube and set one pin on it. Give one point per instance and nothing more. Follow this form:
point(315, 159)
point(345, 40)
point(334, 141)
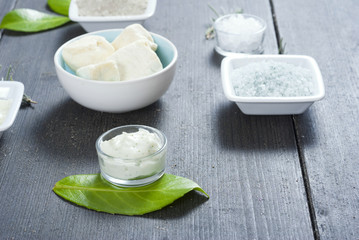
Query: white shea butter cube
point(131, 34)
point(103, 71)
point(87, 50)
point(136, 60)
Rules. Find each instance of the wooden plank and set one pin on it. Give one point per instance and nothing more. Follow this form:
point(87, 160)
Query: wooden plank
point(248, 165)
point(328, 132)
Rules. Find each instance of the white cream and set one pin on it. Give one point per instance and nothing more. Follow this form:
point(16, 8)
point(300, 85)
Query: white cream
point(132, 155)
point(4, 92)
point(4, 109)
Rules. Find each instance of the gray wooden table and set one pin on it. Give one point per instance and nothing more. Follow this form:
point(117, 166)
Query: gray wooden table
point(269, 177)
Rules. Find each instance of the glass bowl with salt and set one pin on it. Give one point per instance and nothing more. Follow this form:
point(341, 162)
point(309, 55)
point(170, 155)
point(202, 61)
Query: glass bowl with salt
point(272, 84)
point(239, 33)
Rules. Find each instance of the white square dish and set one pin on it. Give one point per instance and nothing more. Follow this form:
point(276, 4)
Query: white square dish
point(10, 91)
point(272, 105)
point(95, 23)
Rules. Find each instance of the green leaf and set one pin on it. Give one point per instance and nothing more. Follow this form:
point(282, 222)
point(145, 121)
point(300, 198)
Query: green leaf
point(28, 20)
point(59, 6)
point(92, 192)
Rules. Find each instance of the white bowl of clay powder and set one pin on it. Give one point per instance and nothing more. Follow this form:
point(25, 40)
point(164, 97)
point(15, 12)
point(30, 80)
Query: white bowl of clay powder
point(132, 155)
point(239, 33)
point(272, 84)
point(94, 15)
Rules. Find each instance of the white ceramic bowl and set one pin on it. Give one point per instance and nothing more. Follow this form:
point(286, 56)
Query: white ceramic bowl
point(95, 23)
point(272, 105)
point(119, 96)
point(10, 91)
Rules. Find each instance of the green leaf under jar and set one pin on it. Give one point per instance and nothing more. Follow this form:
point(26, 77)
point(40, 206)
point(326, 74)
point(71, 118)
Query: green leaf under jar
point(92, 192)
point(60, 6)
point(29, 20)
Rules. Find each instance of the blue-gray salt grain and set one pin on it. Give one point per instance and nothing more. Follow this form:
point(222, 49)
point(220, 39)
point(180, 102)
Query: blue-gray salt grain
point(272, 79)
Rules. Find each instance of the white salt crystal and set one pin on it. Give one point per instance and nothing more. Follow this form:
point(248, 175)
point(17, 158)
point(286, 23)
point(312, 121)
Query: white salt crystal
point(239, 33)
point(237, 24)
point(272, 79)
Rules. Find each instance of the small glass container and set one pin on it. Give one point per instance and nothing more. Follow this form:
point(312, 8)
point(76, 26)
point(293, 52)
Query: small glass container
point(239, 33)
point(132, 171)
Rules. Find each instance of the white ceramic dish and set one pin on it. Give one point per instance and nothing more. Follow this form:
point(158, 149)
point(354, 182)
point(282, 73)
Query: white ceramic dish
point(119, 96)
point(12, 91)
point(272, 105)
point(96, 23)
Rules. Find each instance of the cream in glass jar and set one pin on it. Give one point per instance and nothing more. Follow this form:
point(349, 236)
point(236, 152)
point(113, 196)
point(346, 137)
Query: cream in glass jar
point(132, 155)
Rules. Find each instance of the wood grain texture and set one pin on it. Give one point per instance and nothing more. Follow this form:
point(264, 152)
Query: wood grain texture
point(248, 165)
point(328, 132)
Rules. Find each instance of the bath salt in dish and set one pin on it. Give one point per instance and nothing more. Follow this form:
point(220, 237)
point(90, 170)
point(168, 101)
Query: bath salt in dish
point(111, 7)
point(239, 33)
point(264, 84)
point(272, 79)
point(237, 24)
point(132, 155)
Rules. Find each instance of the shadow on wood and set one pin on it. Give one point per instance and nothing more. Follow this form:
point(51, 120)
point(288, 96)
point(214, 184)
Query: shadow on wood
point(237, 131)
point(179, 208)
point(70, 130)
